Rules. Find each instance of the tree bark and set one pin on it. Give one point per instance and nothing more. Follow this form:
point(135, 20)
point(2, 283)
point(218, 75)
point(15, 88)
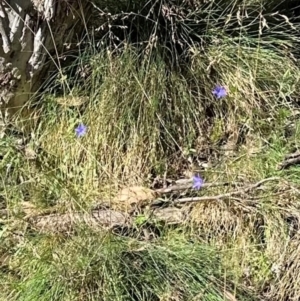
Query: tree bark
point(34, 35)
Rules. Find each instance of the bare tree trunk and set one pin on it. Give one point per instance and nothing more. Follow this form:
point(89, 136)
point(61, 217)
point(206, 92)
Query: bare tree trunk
point(33, 33)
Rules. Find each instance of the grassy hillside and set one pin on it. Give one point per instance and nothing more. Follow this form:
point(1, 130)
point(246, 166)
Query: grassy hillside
point(136, 105)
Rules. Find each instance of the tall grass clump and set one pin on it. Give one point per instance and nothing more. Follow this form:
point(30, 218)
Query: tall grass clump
point(102, 267)
point(145, 112)
point(140, 88)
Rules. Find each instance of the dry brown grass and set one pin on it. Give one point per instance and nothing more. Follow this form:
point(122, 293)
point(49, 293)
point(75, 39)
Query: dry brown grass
point(146, 122)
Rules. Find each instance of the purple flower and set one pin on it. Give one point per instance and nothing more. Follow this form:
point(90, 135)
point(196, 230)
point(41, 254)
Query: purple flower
point(197, 182)
point(219, 91)
point(80, 130)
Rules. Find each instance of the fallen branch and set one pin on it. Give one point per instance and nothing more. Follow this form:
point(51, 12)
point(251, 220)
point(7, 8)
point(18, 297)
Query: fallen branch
point(188, 184)
point(290, 159)
point(109, 219)
point(226, 195)
point(66, 222)
point(106, 219)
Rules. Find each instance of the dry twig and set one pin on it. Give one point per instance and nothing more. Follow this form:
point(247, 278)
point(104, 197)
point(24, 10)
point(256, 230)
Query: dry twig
point(226, 195)
point(290, 159)
point(188, 184)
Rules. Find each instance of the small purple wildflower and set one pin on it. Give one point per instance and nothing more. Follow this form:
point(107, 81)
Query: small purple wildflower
point(197, 182)
point(80, 130)
point(219, 91)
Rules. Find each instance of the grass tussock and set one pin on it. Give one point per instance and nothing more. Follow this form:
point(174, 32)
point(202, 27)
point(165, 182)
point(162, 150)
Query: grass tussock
point(146, 100)
point(114, 268)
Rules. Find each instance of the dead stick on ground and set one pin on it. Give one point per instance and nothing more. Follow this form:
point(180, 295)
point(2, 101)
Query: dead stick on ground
point(290, 159)
point(105, 219)
point(226, 195)
point(110, 218)
point(188, 184)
